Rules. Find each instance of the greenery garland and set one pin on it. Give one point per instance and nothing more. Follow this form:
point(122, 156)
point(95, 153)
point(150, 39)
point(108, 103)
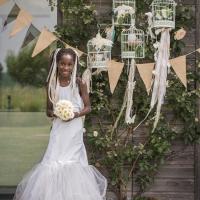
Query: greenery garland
point(118, 151)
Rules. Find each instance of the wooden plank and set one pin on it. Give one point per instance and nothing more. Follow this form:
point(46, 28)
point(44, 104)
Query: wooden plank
point(169, 195)
point(167, 185)
point(170, 185)
point(197, 172)
point(185, 159)
point(176, 171)
point(197, 147)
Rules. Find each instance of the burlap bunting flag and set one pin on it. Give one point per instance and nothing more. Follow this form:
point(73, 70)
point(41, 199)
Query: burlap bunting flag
point(23, 19)
point(179, 66)
point(145, 71)
point(114, 72)
point(45, 39)
point(3, 2)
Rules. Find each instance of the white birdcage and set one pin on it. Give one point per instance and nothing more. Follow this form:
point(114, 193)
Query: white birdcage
point(124, 12)
point(132, 43)
point(164, 12)
point(99, 52)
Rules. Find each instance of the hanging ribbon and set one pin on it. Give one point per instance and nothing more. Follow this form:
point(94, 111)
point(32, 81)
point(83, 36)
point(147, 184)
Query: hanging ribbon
point(87, 77)
point(150, 23)
point(110, 33)
point(160, 79)
point(160, 76)
point(130, 89)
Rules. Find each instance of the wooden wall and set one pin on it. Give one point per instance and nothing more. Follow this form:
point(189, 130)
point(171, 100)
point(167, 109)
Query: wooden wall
point(179, 177)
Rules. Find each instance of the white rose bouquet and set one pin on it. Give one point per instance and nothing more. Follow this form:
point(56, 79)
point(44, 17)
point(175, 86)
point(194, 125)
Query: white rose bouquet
point(64, 110)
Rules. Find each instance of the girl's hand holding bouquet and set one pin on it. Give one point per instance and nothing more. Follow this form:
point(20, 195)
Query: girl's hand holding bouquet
point(64, 110)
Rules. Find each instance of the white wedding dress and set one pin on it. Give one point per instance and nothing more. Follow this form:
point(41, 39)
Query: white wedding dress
point(64, 172)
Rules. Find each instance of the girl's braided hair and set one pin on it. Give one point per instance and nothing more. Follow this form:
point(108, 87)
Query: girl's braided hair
point(62, 52)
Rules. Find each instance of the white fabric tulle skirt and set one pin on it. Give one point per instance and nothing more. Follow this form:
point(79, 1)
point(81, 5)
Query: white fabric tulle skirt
point(64, 172)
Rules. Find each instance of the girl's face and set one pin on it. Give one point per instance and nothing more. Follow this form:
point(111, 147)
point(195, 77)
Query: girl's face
point(65, 65)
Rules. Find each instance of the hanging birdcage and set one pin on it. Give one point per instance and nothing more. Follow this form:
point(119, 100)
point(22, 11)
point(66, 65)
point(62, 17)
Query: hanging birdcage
point(132, 43)
point(124, 12)
point(164, 12)
point(99, 52)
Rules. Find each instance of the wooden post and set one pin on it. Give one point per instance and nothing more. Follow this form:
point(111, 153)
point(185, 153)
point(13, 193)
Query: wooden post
point(197, 172)
point(59, 14)
point(197, 146)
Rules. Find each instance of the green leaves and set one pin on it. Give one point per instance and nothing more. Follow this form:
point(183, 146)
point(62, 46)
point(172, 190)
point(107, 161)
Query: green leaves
point(147, 157)
point(26, 70)
point(78, 20)
point(184, 105)
point(121, 152)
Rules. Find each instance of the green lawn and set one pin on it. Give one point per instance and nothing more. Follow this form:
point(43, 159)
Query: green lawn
point(23, 140)
point(22, 99)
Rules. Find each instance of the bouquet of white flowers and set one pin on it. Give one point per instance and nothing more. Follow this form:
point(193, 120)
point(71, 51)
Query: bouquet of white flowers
point(64, 109)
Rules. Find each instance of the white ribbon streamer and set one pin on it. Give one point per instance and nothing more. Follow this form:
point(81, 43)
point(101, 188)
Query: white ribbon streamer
point(161, 70)
point(130, 89)
point(87, 77)
point(150, 22)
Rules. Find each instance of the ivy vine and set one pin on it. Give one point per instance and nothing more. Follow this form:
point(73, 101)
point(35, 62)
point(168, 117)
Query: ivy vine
point(114, 149)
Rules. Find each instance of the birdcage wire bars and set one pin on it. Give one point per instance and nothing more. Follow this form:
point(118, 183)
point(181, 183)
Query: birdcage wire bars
point(164, 13)
point(132, 43)
point(124, 12)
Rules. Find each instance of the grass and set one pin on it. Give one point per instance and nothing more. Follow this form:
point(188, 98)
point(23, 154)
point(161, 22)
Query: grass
point(23, 141)
point(25, 99)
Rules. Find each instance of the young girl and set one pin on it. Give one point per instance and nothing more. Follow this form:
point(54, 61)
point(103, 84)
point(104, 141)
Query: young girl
point(64, 172)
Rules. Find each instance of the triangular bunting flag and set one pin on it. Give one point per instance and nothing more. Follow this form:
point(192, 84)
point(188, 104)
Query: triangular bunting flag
point(179, 66)
point(44, 40)
point(3, 2)
point(11, 16)
point(145, 71)
point(198, 50)
point(31, 35)
point(23, 19)
point(114, 72)
point(80, 53)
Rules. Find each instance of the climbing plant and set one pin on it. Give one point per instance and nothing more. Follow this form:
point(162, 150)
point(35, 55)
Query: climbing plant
point(78, 18)
point(113, 149)
point(116, 152)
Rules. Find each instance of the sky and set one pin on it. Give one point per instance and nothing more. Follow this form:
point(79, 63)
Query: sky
point(42, 16)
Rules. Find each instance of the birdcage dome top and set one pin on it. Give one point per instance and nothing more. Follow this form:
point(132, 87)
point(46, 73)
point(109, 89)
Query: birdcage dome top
point(163, 1)
point(125, 9)
point(98, 42)
point(132, 29)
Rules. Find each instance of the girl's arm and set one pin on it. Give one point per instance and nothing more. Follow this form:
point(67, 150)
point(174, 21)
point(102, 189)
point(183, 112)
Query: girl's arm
point(85, 96)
